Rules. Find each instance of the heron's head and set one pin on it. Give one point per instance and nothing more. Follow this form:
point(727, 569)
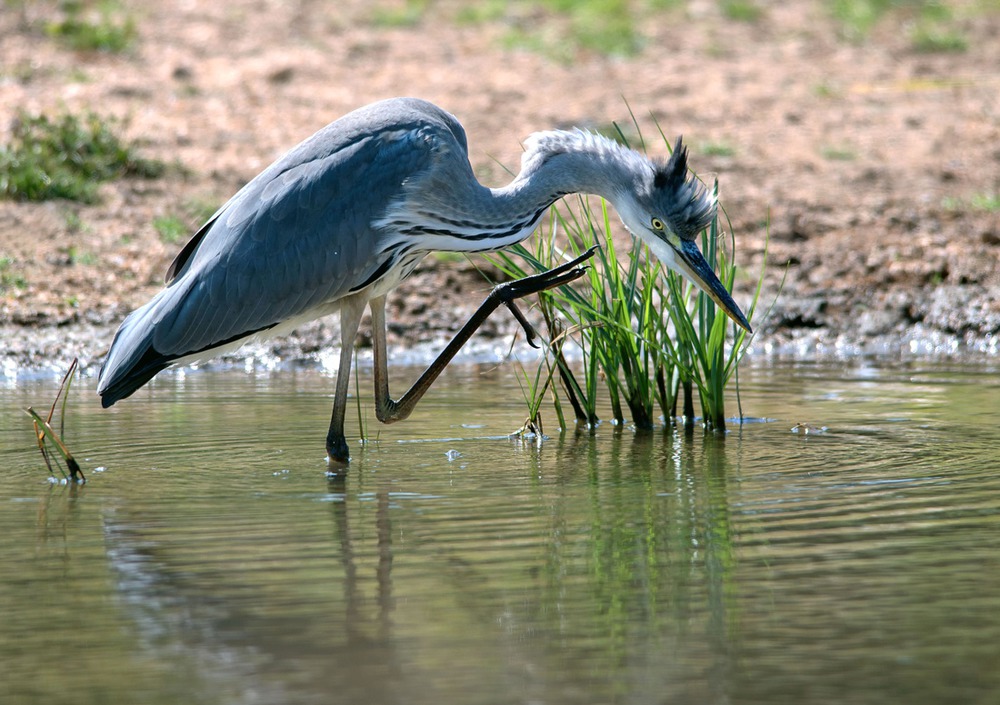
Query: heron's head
point(667, 210)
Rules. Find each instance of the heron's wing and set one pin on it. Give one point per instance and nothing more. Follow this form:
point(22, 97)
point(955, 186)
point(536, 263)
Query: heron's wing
point(294, 242)
point(298, 236)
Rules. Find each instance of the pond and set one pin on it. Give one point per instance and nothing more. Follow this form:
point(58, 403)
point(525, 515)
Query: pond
point(210, 560)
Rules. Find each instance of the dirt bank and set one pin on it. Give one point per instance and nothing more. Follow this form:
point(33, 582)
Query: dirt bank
point(877, 165)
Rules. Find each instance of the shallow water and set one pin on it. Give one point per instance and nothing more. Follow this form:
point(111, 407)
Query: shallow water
point(209, 559)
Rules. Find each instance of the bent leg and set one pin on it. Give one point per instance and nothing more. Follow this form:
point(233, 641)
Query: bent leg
point(388, 410)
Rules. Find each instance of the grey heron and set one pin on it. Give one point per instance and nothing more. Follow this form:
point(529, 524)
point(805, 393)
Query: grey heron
point(341, 219)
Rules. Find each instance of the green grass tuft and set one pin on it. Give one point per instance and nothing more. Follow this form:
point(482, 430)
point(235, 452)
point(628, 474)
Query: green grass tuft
point(982, 202)
point(989, 202)
point(605, 26)
point(742, 10)
point(175, 228)
point(932, 21)
point(561, 29)
point(858, 17)
point(76, 256)
point(838, 153)
point(409, 14)
point(716, 149)
point(10, 278)
point(171, 229)
point(646, 339)
point(932, 38)
point(85, 27)
point(66, 157)
point(482, 11)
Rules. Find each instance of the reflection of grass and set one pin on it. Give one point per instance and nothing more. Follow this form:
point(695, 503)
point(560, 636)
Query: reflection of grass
point(652, 543)
point(86, 27)
point(66, 157)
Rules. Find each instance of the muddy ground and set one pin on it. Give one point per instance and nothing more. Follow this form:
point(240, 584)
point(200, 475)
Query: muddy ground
point(876, 165)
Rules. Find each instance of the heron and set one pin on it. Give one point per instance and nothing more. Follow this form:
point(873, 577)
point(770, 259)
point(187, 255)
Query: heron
point(341, 219)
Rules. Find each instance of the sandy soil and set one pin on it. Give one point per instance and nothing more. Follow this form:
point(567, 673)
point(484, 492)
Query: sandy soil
point(866, 158)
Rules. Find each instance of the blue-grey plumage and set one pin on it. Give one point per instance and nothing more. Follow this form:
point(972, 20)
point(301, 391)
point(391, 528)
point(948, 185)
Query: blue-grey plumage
point(296, 238)
point(342, 218)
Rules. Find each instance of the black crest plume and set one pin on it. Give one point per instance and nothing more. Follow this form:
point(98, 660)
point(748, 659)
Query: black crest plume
point(691, 207)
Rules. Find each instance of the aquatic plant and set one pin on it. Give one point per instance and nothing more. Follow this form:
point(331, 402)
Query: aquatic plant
point(644, 334)
point(46, 434)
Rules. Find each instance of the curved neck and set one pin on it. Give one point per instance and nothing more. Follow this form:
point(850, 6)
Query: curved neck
point(457, 213)
point(558, 163)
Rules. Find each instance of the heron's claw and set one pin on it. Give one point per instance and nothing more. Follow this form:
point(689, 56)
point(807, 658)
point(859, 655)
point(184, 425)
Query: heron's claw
point(509, 292)
point(529, 330)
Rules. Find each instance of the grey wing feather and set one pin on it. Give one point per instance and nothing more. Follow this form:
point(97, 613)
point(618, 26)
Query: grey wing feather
point(297, 236)
point(268, 258)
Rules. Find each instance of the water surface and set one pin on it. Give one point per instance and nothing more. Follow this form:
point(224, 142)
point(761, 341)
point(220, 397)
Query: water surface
point(210, 560)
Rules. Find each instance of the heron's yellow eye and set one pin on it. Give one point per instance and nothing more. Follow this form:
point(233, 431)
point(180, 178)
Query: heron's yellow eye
point(657, 224)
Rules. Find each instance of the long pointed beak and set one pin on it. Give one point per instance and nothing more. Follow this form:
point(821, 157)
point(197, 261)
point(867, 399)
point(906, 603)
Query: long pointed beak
point(697, 269)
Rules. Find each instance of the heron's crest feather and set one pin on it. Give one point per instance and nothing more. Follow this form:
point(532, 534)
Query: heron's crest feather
point(692, 207)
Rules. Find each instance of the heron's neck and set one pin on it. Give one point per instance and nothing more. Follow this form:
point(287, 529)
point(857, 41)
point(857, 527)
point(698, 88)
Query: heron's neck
point(559, 163)
point(450, 210)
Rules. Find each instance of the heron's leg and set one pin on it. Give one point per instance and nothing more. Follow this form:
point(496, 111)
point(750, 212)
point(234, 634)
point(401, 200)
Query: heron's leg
point(387, 409)
point(350, 317)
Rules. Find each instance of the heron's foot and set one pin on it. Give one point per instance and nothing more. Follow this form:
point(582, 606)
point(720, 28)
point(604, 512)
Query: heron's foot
point(338, 455)
point(543, 281)
point(509, 292)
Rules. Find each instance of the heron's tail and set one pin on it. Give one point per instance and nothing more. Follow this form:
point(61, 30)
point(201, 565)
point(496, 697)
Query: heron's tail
point(132, 360)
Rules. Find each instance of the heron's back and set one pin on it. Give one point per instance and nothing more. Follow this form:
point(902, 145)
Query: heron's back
point(289, 244)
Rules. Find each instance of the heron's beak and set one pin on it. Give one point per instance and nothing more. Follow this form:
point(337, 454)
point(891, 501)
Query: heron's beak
point(697, 269)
